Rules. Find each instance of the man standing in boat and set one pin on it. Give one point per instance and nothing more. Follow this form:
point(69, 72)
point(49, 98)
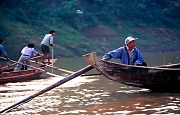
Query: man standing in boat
point(46, 43)
point(128, 54)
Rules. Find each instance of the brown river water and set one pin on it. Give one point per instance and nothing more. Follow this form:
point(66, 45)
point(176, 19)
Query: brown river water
point(90, 95)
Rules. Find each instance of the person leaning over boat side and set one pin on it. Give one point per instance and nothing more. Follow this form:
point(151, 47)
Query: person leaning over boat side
point(46, 43)
point(26, 54)
point(128, 54)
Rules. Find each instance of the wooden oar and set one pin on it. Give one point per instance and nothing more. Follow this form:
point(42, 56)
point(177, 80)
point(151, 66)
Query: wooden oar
point(16, 63)
point(64, 70)
point(70, 77)
point(8, 66)
point(93, 74)
point(52, 74)
point(52, 54)
point(35, 57)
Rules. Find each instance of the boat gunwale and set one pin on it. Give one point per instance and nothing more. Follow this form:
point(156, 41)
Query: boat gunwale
point(20, 75)
point(134, 66)
point(95, 57)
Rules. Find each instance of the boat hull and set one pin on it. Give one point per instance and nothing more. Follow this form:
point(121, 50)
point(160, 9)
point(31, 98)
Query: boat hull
point(20, 76)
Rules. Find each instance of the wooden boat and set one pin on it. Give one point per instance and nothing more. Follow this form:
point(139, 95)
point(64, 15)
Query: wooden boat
point(20, 76)
point(166, 77)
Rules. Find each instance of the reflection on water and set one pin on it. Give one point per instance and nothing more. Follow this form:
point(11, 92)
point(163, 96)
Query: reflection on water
point(86, 95)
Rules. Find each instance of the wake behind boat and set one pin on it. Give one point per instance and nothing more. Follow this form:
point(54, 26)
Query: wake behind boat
point(166, 77)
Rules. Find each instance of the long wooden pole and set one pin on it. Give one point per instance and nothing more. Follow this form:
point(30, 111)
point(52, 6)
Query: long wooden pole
point(8, 66)
point(52, 74)
point(63, 70)
point(52, 56)
point(16, 62)
point(70, 77)
point(93, 74)
point(35, 57)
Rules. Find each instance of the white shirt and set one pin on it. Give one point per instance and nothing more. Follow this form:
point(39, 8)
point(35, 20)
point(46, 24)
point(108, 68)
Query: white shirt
point(47, 40)
point(28, 51)
point(131, 55)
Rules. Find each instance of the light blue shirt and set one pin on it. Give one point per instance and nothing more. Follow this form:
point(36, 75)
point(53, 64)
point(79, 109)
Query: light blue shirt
point(29, 51)
point(135, 56)
point(3, 52)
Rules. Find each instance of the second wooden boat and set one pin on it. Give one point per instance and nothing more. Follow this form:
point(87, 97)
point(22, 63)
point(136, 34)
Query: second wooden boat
point(20, 76)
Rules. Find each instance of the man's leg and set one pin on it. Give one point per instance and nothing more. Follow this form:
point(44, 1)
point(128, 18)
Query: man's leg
point(19, 66)
point(42, 58)
point(43, 52)
point(27, 59)
point(46, 52)
point(48, 57)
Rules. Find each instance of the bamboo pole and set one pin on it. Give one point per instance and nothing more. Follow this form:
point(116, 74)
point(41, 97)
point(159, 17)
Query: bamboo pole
point(8, 66)
point(52, 74)
point(64, 70)
point(35, 57)
point(24, 64)
point(93, 74)
point(52, 56)
point(16, 62)
point(54, 67)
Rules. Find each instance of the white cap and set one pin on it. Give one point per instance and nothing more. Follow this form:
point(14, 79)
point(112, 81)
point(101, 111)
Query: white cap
point(129, 39)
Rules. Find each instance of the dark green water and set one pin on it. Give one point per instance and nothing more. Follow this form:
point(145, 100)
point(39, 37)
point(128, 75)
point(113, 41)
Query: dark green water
point(91, 95)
